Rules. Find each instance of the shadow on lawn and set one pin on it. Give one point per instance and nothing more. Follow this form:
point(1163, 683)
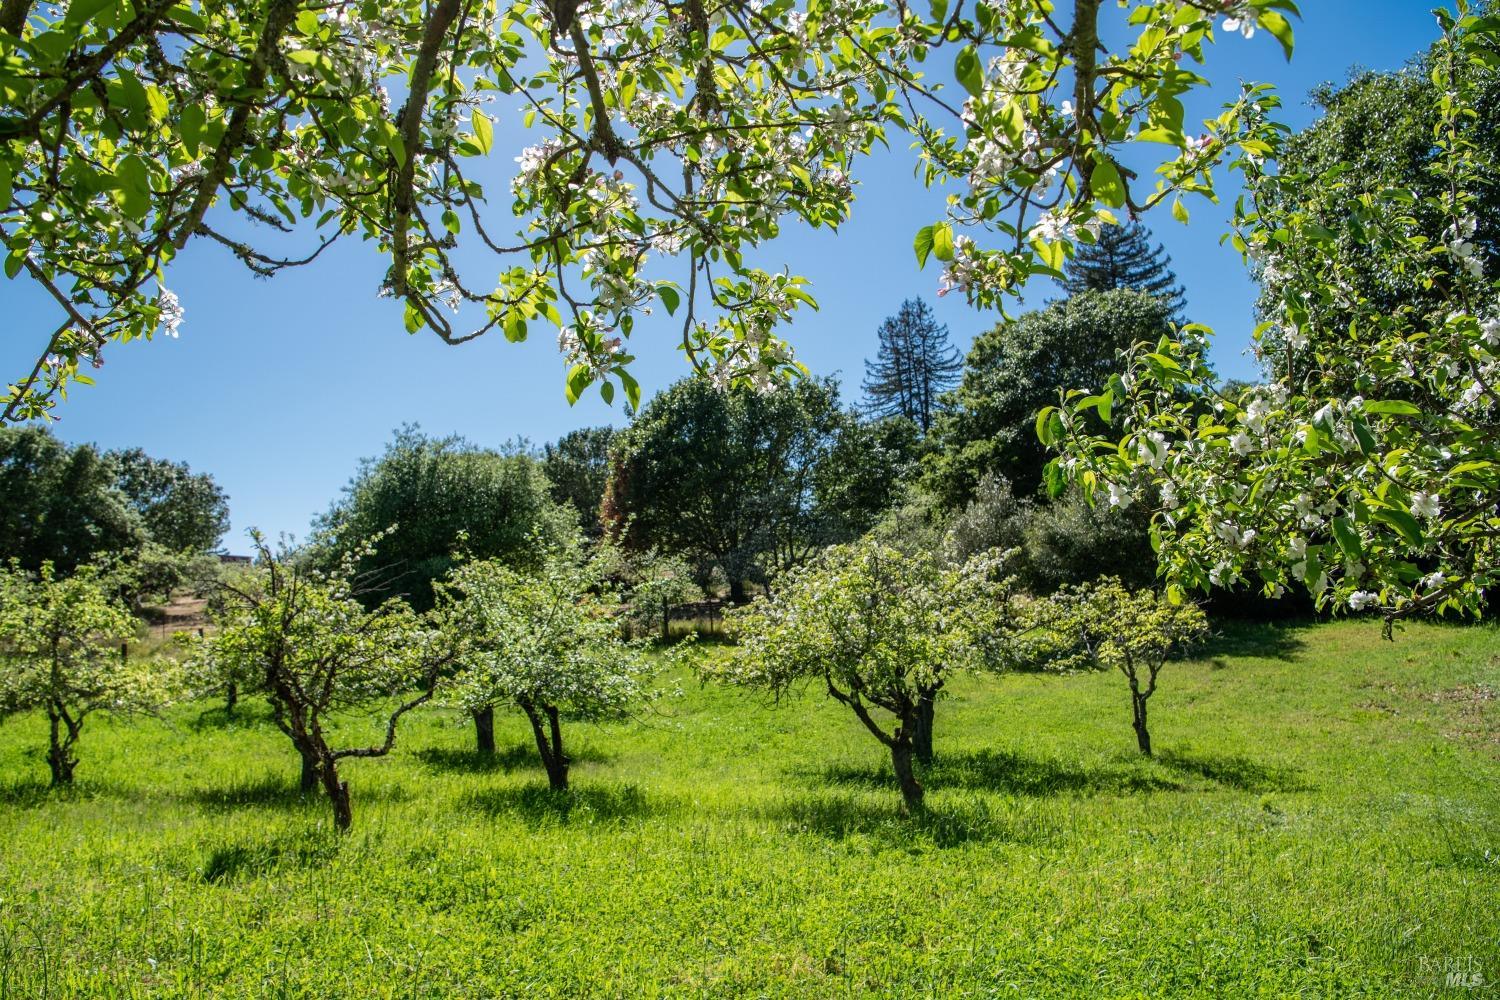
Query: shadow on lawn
point(250, 859)
point(1235, 772)
point(28, 793)
point(841, 816)
point(1268, 641)
point(518, 757)
point(1008, 772)
point(538, 804)
point(268, 791)
point(246, 715)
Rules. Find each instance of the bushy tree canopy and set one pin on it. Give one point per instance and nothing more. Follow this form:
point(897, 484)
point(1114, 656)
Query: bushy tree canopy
point(182, 511)
point(577, 466)
point(750, 482)
point(989, 421)
point(431, 499)
point(60, 504)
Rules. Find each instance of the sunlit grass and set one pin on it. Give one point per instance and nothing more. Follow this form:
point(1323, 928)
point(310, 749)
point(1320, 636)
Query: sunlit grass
point(1322, 819)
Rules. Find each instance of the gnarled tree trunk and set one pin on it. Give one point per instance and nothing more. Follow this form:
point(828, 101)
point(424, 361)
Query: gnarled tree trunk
point(338, 793)
point(1138, 722)
point(902, 756)
point(549, 743)
point(60, 757)
point(922, 726)
point(484, 730)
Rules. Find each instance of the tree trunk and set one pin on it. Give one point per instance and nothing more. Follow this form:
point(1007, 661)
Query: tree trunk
point(309, 780)
point(736, 591)
point(338, 795)
point(666, 621)
point(1138, 721)
point(484, 730)
point(59, 753)
point(231, 698)
point(901, 759)
point(549, 747)
point(922, 735)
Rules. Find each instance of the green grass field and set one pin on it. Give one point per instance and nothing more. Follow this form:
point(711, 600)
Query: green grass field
point(1323, 820)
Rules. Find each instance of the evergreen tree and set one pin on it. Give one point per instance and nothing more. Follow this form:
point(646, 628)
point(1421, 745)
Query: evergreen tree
point(914, 366)
point(1123, 258)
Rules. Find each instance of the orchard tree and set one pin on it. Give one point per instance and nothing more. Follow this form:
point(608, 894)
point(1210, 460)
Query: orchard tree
point(320, 652)
point(652, 583)
point(1132, 631)
point(882, 630)
point(544, 641)
point(691, 133)
point(60, 652)
point(1367, 468)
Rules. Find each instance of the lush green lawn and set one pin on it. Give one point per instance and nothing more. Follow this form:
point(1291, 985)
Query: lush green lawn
point(1323, 820)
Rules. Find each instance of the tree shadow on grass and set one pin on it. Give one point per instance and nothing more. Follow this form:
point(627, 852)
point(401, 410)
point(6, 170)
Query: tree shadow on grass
point(29, 793)
point(539, 805)
point(1011, 773)
point(841, 817)
point(1240, 773)
point(246, 715)
point(518, 757)
point(270, 791)
point(253, 859)
point(1268, 641)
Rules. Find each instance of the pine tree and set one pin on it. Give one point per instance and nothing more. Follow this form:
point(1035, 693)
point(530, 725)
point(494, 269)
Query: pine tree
point(1123, 258)
point(914, 366)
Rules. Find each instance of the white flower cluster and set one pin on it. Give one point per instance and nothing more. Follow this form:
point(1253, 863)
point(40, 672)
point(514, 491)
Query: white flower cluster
point(169, 311)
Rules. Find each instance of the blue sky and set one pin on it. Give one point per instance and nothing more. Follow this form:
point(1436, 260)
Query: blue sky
point(277, 387)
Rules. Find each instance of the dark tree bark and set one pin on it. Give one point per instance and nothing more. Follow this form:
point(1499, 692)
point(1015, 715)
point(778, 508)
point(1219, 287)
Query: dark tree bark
point(901, 759)
point(63, 732)
point(736, 591)
point(922, 725)
point(1138, 722)
point(338, 793)
point(549, 744)
point(309, 769)
point(484, 730)
point(231, 698)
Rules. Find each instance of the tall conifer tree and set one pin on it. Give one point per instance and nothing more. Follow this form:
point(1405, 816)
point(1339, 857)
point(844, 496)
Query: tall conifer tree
point(914, 366)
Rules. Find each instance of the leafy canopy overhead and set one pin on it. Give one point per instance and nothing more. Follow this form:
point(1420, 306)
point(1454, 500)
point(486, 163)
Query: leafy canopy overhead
point(689, 133)
point(1368, 468)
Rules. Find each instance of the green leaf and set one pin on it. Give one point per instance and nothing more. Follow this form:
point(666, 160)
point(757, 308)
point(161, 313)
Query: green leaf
point(1347, 537)
point(1179, 210)
point(942, 242)
point(669, 298)
point(967, 69)
point(923, 245)
point(190, 125)
point(578, 380)
point(82, 11)
point(631, 386)
point(1049, 426)
point(1105, 181)
point(14, 263)
point(1395, 407)
point(484, 132)
point(1402, 521)
point(1281, 28)
point(607, 390)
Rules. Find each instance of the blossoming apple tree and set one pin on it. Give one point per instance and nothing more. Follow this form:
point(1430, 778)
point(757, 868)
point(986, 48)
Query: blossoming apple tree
point(686, 132)
point(1367, 467)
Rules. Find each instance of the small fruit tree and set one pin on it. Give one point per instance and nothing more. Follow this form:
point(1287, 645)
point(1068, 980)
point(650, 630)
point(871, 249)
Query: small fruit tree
point(881, 629)
point(60, 652)
point(544, 641)
point(1133, 632)
point(320, 652)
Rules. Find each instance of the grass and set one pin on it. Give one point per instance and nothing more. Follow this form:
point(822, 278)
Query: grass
point(1322, 820)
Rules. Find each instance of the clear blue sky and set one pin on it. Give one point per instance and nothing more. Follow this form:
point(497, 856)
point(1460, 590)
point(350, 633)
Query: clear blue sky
point(278, 387)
